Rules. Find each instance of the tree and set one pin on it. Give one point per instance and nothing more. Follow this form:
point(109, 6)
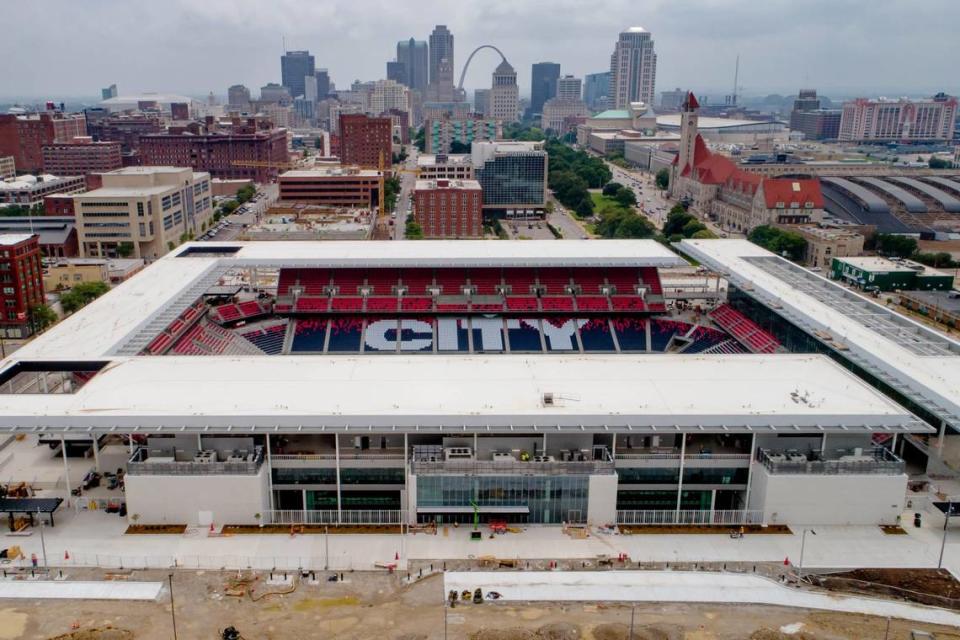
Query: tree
point(245, 193)
point(940, 259)
point(692, 227)
point(229, 207)
point(125, 249)
point(413, 231)
point(391, 190)
point(584, 208)
point(890, 244)
point(420, 140)
point(626, 198)
point(677, 219)
point(939, 163)
point(662, 179)
point(42, 316)
point(81, 295)
point(460, 147)
point(789, 244)
point(611, 189)
point(704, 234)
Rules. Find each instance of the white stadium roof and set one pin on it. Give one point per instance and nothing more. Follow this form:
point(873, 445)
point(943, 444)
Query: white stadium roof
point(922, 364)
point(423, 393)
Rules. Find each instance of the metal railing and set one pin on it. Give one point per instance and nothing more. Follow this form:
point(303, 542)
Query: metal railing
point(344, 455)
point(140, 465)
point(676, 456)
point(679, 518)
point(876, 461)
point(333, 517)
point(528, 468)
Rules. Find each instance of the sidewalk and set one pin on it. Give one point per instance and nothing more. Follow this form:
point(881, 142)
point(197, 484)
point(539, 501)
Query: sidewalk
point(94, 538)
point(667, 586)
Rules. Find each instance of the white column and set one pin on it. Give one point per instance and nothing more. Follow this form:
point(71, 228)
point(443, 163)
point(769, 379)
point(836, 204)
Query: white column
point(544, 443)
point(130, 442)
point(683, 453)
point(475, 446)
point(713, 503)
point(753, 445)
point(337, 456)
point(270, 474)
point(405, 517)
point(823, 447)
point(199, 442)
point(613, 449)
point(66, 467)
point(96, 453)
point(943, 431)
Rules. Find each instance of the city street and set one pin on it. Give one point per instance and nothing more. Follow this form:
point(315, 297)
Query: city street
point(564, 220)
point(651, 202)
point(407, 183)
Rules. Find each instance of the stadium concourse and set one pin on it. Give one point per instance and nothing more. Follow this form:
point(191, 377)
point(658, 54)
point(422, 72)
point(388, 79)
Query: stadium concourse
point(368, 383)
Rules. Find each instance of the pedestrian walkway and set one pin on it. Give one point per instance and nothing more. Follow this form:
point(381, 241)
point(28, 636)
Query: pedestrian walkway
point(669, 586)
point(79, 590)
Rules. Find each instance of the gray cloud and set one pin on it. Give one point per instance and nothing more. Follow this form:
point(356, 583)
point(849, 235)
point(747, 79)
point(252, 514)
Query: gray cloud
point(66, 47)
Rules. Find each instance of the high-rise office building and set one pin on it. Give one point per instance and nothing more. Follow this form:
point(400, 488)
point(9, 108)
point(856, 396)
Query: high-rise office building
point(633, 69)
point(672, 100)
point(513, 176)
point(23, 283)
point(441, 48)
point(397, 71)
point(569, 88)
point(389, 95)
point(504, 94)
point(543, 84)
point(323, 83)
point(596, 90)
point(273, 92)
point(481, 101)
point(23, 135)
point(294, 67)
point(415, 58)
point(238, 96)
point(108, 92)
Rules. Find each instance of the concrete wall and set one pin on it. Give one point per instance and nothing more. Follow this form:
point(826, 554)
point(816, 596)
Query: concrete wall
point(827, 499)
point(233, 499)
point(602, 499)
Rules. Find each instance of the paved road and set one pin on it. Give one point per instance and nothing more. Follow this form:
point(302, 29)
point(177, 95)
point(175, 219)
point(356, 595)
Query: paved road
point(563, 219)
point(651, 202)
point(407, 183)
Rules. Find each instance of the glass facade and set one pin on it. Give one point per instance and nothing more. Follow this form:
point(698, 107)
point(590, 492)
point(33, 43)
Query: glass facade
point(550, 499)
point(663, 500)
point(514, 179)
point(347, 476)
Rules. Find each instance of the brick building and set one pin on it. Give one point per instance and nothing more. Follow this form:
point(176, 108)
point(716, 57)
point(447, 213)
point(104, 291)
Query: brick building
point(449, 208)
point(23, 136)
point(125, 129)
point(219, 153)
point(364, 140)
point(22, 283)
point(333, 187)
point(57, 235)
point(81, 156)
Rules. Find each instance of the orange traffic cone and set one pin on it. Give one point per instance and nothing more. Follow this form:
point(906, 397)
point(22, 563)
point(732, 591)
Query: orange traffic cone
point(66, 554)
point(396, 556)
point(786, 561)
point(211, 528)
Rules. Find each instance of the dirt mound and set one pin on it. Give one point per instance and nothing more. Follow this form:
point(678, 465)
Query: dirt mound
point(107, 633)
point(617, 631)
point(503, 634)
point(558, 631)
point(772, 634)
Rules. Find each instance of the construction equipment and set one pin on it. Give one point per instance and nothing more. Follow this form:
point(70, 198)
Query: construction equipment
point(230, 633)
point(478, 596)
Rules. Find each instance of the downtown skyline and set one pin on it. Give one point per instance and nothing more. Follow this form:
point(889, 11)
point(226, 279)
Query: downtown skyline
point(696, 43)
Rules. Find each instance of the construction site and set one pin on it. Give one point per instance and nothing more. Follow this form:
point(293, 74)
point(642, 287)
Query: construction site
point(238, 605)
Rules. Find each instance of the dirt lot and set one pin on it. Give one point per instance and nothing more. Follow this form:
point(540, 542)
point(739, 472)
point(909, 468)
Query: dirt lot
point(934, 587)
point(375, 606)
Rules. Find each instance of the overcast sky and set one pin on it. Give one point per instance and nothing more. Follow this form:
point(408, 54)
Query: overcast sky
point(73, 47)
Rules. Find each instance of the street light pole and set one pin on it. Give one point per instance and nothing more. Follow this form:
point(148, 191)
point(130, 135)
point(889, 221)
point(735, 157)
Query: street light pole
point(803, 544)
point(943, 543)
point(173, 610)
point(43, 544)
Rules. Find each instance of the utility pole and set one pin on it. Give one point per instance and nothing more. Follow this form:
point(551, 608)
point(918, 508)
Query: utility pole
point(943, 544)
point(173, 609)
point(43, 545)
point(803, 543)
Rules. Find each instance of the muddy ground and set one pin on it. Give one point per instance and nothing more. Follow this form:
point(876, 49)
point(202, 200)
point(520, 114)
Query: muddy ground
point(375, 606)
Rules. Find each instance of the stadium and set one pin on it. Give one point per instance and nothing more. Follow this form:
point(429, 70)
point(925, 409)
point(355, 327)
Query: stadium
point(539, 382)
